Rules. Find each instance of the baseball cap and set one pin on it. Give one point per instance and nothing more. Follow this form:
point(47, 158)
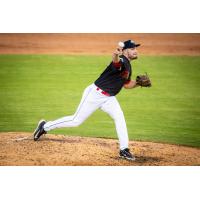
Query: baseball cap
point(130, 44)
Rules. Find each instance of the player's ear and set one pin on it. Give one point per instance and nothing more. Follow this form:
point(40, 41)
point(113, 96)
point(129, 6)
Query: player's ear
point(124, 51)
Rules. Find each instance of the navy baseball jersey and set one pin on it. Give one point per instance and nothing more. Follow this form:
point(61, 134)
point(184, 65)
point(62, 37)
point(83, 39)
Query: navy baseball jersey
point(115, 76)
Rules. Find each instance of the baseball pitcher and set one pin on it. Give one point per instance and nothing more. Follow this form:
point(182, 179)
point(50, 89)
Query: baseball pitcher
point(102, 95)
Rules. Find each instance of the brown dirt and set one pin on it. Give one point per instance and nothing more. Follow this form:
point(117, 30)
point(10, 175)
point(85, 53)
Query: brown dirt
point(59, 150)
point(98, 43)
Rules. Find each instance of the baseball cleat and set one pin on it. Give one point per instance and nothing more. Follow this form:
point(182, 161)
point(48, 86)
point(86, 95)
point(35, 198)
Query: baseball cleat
point(39, 131)
point(126, 154)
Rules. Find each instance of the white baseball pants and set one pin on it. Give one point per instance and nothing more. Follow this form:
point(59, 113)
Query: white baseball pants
point(93, 99)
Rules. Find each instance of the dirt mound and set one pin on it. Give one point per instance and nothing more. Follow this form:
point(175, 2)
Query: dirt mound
point(59, 150)
point(99, 43)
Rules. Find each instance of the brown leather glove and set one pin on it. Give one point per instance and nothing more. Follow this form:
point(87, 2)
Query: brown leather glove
point(143, 80)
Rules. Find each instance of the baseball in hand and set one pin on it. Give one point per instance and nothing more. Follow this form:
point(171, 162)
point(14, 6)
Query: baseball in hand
point(121, 44)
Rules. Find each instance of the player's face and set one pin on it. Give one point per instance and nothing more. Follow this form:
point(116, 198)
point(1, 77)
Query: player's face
point(132, 53)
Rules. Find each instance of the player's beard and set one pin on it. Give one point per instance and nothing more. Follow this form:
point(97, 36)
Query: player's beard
point(130, 55)
point(133, 57)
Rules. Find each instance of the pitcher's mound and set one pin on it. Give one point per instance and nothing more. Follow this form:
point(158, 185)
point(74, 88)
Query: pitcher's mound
point(60, 150)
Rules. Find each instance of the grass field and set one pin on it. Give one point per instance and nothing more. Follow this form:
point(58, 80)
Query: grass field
point(41, 86)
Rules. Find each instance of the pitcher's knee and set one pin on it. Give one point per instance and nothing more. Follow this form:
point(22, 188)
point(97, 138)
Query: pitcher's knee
point(77, 122)
point(118, 116)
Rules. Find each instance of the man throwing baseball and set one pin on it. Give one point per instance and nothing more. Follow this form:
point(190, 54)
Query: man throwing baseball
point(101, 95)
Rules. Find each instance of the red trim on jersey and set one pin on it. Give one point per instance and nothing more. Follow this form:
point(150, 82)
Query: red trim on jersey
point(117, 64)
point(103, 92)
point(127, 82)
point(125, 74)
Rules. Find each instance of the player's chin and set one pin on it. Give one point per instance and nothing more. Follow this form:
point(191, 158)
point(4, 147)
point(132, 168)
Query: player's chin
point(134, 57)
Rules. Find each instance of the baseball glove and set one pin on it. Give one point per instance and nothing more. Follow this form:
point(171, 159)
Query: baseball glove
point(143, 80)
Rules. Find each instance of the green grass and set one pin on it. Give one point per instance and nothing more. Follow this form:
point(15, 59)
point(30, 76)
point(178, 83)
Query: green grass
point(50, 87)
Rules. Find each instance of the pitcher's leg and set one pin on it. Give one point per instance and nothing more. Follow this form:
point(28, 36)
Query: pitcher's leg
point(59, 123)
point(113, 108)
point(86, 107)
point(84, 110)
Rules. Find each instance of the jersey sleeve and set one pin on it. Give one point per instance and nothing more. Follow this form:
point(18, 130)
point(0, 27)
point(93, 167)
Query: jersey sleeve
point(119, 65)
point(127, 81)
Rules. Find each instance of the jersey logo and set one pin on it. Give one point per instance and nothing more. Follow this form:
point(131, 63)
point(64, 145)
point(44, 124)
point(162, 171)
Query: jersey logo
point(125, 74)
